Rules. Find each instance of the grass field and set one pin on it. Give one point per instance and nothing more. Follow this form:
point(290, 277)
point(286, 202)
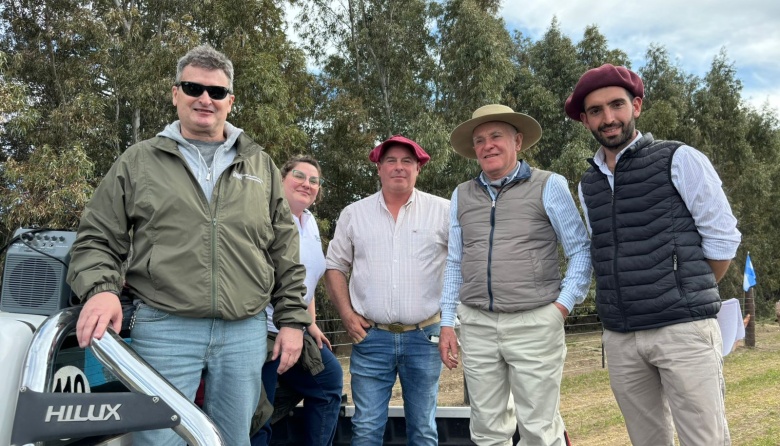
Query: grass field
point(752, 398)
point(592, 416)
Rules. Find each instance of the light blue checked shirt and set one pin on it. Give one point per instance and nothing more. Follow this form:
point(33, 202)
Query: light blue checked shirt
point(568, 226)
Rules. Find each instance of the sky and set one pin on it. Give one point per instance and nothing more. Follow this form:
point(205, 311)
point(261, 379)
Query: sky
point(692, 31)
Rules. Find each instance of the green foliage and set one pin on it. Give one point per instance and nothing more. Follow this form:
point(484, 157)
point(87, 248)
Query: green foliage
point(81, 81)
point(99, 76)
point(49, 190)
point(271, 83)
point(17, 118)
point(546, 72)
point(340, 145)
point(475, 58)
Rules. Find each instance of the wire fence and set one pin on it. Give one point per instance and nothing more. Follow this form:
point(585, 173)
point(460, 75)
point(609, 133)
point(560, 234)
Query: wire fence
point(585, 353)
point(583, 342)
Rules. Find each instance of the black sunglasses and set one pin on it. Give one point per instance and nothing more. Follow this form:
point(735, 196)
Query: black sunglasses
point(196, 90)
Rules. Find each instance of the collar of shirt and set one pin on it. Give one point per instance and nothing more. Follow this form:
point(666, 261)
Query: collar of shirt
point(521, 171)
point(409, 201)
point(500, 182)
point(305, 216)
point(600, 158)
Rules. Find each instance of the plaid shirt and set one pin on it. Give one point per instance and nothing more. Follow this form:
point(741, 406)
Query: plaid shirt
point(396, 266)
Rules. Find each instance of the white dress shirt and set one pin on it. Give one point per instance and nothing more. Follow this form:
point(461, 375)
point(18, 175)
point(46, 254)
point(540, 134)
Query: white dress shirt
point(396, 265)
point(700, 187)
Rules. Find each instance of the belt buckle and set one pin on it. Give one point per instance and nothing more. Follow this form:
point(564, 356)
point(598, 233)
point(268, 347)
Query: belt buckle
point(395, 328)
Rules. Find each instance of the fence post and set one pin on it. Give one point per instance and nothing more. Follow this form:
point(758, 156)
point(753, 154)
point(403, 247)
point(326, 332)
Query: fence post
point(750, 310)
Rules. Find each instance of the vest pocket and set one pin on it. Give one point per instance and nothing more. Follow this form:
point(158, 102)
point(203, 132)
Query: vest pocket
point(676, 268)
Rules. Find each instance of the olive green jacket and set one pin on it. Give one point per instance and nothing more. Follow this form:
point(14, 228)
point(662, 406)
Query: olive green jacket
point(227, 258)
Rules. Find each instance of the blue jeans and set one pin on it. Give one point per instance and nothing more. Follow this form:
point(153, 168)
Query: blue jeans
point(321, 398)
point(227, 354)
point(374, 364)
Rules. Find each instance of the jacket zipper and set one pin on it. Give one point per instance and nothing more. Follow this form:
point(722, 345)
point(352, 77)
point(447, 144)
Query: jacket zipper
point(676, 270)
point(213, 267)
point(490, 253)
point(490, 245)
point(213, 217)
point(615, 248)
point(214, 221)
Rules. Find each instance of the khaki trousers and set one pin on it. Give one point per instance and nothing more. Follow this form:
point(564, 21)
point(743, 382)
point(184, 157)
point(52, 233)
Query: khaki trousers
point(670, 373)
point(516, 355)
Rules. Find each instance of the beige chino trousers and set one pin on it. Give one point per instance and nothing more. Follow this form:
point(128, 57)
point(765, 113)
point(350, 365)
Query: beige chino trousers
point(517, 355)
point(670, 373)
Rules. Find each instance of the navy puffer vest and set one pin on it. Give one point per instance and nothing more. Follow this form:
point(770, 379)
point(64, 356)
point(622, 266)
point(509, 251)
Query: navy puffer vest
point(646, 252)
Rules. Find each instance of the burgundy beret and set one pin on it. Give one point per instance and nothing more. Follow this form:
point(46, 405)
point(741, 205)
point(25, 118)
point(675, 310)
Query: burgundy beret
point(606, 75)
point(376, 153)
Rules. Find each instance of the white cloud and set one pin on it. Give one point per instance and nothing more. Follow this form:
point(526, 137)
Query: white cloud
point(693, 32)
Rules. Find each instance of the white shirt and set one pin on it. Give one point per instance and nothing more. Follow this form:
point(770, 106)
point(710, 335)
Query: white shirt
point(700, 188)
point(311, 258)
point(397, 266)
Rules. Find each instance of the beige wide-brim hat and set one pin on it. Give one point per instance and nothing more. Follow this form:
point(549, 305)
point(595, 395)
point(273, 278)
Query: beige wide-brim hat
point(461, 139)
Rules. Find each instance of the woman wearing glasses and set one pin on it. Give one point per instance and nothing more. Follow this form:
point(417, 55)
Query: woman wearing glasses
point(319, 383)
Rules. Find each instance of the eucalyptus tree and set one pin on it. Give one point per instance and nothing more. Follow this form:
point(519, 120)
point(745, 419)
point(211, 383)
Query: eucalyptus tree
point(474, 67)
point(721, 119)
point(667, 109)
point(593, 50)
point(375, 80)
point(546, 72)
point(742, 144)
point(272, 86)
point(377, 51)
point(756, 205)
point(51, 52)
point(49, 189)
point(17, 118)
point(475, 51)
point(97, 76)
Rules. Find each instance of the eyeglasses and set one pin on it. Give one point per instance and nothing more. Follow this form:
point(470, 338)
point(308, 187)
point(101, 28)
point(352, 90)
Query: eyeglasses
point(301, 177)
point(196, 90)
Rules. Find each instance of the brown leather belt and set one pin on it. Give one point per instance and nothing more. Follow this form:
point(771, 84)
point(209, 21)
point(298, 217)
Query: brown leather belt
point(401, 328)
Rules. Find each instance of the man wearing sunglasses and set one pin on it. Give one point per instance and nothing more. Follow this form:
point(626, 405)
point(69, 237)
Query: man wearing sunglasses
point(213, 241)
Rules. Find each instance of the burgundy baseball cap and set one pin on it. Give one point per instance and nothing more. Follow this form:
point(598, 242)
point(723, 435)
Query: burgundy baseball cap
point(376, 153)
point(606, 75)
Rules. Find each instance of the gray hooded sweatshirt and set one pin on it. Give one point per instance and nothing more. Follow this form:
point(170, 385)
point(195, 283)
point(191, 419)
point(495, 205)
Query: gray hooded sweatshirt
point(205, 174)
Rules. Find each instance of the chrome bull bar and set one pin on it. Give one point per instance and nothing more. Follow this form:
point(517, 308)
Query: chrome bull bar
point(195, 427)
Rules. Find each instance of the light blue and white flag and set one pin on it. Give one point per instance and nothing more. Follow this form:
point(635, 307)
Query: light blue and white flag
point(749, 278)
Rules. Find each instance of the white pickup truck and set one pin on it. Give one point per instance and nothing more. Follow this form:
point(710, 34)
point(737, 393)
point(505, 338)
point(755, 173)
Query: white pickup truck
point(47, 398)
point(54, 393)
